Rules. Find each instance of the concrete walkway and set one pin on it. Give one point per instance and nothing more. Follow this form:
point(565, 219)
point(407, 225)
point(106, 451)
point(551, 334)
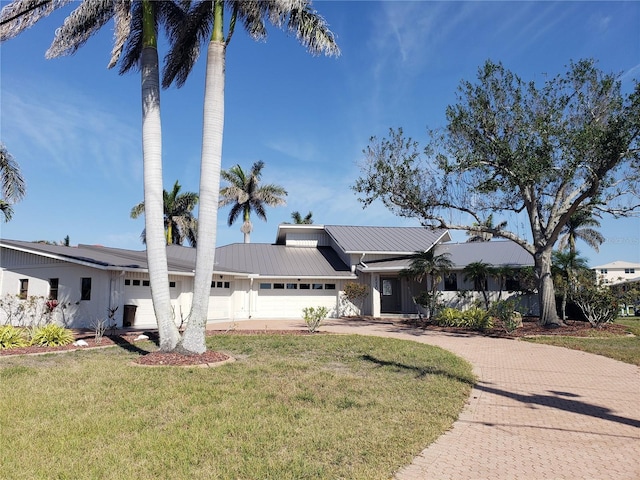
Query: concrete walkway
point(537, 411)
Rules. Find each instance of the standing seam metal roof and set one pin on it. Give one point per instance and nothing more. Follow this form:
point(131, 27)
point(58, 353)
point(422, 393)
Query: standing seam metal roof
point(407, 240)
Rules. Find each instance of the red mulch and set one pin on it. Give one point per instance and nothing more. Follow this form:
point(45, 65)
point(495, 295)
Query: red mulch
point(126, 339)
point(530, 328)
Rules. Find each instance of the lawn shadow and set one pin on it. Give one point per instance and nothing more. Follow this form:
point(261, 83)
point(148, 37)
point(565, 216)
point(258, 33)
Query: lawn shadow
point(420, 372)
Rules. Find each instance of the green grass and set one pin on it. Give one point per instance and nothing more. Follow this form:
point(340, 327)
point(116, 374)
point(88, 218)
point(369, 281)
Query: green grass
point(290, 407)
point(625, 349)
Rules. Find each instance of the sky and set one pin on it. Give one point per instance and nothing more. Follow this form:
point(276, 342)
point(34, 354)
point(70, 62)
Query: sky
point(74, 126)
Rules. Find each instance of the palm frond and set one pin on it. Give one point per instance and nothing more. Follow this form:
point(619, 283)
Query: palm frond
point(137, 210)
point(79, 26)
point(6, 210)
point(185, 38)
point(19, 15)
point(12, 185)
point(122, 17)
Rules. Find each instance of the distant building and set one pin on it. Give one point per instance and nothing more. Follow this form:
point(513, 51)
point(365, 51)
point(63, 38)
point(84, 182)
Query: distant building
point(617, 272)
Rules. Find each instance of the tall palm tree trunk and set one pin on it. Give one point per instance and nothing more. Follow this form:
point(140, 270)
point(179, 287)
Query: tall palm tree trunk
point(153, 191)
point(211, 163)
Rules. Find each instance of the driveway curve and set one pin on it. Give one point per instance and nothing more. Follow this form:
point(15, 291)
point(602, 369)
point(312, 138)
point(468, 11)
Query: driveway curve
point(536, 412)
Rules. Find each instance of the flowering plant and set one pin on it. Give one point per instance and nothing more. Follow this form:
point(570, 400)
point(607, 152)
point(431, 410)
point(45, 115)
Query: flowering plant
point(51, 305)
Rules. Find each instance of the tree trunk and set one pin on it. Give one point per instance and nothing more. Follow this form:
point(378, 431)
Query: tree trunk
point(546, 291)
point(153, 200)
point(194, 336)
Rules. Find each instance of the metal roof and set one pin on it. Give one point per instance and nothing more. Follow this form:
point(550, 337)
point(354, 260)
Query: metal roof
point(281, 261)
point(389, 240)
point(496, 252)
point(258, 259)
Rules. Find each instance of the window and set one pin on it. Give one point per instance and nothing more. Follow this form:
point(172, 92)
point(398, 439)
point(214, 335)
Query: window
point(127, 282)
point(53, 288)
point(136, 283)
point(629, 270)
point(451, 282)
point(279, 286)
point(512, 283)
point(305, 286)
point(172, 284)
point(24, 288)
point(292, 286)
point(85, 288)
point(145, 283)
point(603, 271)
point(329, 286)
point(265, 286)
point(317, 286)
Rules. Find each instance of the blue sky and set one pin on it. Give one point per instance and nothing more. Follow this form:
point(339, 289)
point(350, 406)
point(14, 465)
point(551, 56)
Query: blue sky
point(74, 126)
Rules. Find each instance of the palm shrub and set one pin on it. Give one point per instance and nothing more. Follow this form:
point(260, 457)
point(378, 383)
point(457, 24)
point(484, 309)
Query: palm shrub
point(313, 317)
point(51, 335)
point(12, 337)
point(449, 317)
point(477, 319)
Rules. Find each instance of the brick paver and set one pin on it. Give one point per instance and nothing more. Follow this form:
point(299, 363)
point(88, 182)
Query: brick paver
point(537, 411)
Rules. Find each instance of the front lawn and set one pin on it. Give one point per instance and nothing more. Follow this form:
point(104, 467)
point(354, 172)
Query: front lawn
point(623, 348)
point(290, 407)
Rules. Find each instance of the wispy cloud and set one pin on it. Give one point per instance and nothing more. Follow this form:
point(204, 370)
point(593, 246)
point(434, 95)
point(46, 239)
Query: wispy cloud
point(293, 148)
point(68, 130)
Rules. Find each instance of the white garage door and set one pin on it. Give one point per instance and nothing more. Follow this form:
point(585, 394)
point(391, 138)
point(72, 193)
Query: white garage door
point(287, 300)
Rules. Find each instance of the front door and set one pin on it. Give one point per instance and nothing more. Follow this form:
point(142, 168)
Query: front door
point(390, 295)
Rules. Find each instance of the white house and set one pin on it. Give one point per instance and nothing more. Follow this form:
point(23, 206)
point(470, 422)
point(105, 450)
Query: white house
point(617, 272)
point(307, 266)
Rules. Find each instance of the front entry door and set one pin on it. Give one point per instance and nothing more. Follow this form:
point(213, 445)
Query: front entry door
point(390, 295)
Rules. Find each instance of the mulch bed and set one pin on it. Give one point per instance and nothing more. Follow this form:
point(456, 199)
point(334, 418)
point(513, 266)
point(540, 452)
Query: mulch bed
point(127, 339)
point(531, 328)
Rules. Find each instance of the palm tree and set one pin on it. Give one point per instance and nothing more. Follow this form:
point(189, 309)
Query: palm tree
point(179, 222)
point(502, 273)
point(205, 22)
point(565, 268)
point(428, 265)
point(488, 227)
point(12, 185)
point(246, 194)
point(135, 32)
point(299, 220)
point(479, 273)
point(579, 227)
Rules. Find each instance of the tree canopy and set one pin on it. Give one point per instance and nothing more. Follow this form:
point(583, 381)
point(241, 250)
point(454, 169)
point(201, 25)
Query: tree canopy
point(515, 148)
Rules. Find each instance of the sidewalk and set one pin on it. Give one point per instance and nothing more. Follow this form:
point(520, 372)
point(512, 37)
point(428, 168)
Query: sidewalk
point(537, 411)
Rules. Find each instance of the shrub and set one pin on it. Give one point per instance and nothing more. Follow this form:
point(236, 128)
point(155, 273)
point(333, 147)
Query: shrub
point(51, 336)
point(313, 317)
point(477, 319)
point(356, 293)
point(504, 311)
point(99, 326)
point(449, 317)
point(11, 337)
point(598, 304)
